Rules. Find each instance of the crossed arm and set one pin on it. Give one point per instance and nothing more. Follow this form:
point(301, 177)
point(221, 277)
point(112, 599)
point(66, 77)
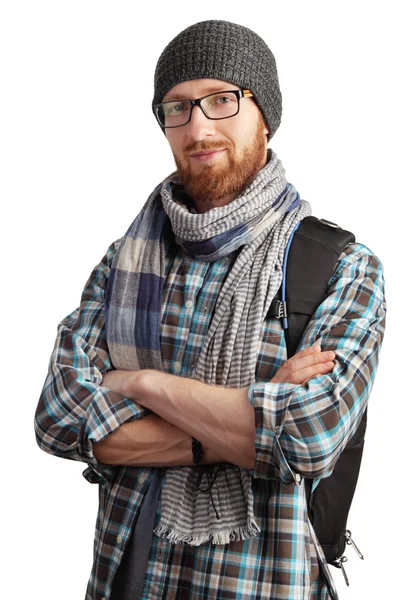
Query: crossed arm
point(222, 419)
point(90, 413)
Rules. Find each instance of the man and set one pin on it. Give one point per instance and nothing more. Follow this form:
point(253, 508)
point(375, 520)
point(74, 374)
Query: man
point(172, 385)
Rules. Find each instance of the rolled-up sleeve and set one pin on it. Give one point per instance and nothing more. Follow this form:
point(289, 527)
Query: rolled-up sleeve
point(302, 429)
point(75, 410)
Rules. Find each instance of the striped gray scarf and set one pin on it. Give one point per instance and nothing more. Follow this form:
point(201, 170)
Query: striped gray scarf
point(259, 224)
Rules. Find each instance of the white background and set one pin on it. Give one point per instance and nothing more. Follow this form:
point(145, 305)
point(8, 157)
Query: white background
point(81, 151)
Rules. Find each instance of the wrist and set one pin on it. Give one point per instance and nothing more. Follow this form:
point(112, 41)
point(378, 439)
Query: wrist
point(143, 387)
point(122, 382)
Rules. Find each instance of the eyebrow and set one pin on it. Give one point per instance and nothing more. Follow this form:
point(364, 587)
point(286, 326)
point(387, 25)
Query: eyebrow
point(209, 90)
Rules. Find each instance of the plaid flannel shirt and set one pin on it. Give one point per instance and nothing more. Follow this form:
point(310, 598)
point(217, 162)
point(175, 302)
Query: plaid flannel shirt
point(299, 429)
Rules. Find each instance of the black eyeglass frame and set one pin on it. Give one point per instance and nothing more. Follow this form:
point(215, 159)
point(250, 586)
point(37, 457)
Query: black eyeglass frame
point(238, 93)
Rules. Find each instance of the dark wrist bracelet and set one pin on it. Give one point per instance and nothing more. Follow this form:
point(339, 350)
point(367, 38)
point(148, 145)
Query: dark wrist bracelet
point(197, 451)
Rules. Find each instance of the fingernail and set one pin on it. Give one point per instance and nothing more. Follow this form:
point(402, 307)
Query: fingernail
point(315, 347)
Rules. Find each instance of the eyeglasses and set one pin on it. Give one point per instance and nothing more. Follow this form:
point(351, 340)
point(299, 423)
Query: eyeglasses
point(220, 105)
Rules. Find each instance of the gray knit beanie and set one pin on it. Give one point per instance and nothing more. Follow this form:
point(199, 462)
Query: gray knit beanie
point(222, 50)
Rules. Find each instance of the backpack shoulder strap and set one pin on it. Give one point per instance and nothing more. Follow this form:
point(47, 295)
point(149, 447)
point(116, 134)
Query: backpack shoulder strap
point(313, 254)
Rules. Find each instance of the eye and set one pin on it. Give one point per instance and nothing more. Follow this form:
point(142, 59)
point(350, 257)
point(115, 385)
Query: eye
point(175, 108)
point(223, 99)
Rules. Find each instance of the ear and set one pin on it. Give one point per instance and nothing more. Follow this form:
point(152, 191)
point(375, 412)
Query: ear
point(263, 122)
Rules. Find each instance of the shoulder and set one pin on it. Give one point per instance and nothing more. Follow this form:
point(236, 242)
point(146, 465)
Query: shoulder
point(112, 251)
point(360, 261)
point(357, 286)
point(104, 266)
point(96, 283)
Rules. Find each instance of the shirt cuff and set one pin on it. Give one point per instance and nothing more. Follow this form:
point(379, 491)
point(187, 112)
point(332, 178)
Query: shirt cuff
point(270, 460)
point(107, 411)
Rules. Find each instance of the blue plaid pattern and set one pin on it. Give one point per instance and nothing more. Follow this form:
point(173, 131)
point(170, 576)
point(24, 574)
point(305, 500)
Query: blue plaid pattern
point(298, 429)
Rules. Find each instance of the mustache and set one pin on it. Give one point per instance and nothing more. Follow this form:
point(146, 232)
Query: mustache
point(202, 145)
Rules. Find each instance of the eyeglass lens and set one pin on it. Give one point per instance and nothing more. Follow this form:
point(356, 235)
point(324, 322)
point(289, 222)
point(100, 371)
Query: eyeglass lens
point(216, 106)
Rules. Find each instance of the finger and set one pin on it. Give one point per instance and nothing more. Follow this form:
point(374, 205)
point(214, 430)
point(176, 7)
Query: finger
point(303, 375)
point(304, 359)
point(314, 352)
point(309, 350)
point(299, 362)
point(309, 378)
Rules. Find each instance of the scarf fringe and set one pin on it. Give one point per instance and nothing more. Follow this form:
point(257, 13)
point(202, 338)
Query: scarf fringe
point(219, 537)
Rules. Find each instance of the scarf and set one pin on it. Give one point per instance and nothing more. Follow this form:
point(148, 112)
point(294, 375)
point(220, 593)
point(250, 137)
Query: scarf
point(258, 223)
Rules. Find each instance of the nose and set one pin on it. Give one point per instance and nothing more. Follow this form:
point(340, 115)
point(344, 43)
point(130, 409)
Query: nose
point(199, 126)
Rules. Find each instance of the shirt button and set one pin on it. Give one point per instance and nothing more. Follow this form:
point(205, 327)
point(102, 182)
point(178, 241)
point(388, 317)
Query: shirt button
point(189, 304)
point(177, 365)
point(119, 539)
point(141, 479)
point(160, 555)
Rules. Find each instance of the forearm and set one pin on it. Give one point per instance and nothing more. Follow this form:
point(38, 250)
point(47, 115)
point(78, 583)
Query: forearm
point(220, 418)
point(150, 442)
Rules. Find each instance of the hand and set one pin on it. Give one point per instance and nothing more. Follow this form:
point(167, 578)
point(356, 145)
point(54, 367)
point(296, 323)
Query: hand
point(304, 365)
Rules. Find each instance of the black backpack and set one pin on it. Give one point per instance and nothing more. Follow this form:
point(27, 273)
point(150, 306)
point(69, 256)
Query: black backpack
point(309, 263)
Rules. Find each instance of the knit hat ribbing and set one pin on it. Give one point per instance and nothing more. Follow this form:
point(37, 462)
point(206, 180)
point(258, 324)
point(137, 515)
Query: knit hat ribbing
point(222, 50)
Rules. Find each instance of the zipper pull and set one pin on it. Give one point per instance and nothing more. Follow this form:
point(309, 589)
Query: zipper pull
point(339, 563)
point(350, 542)
point(281, 311)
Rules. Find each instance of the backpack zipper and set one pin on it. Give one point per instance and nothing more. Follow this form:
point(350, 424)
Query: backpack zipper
point(339, 563)
point(350, 542)
point(342, 559)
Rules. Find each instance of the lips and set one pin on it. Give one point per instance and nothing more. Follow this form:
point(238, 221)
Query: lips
point(207, 154)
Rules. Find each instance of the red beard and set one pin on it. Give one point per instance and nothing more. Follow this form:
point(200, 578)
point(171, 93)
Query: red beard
point(213, 181)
